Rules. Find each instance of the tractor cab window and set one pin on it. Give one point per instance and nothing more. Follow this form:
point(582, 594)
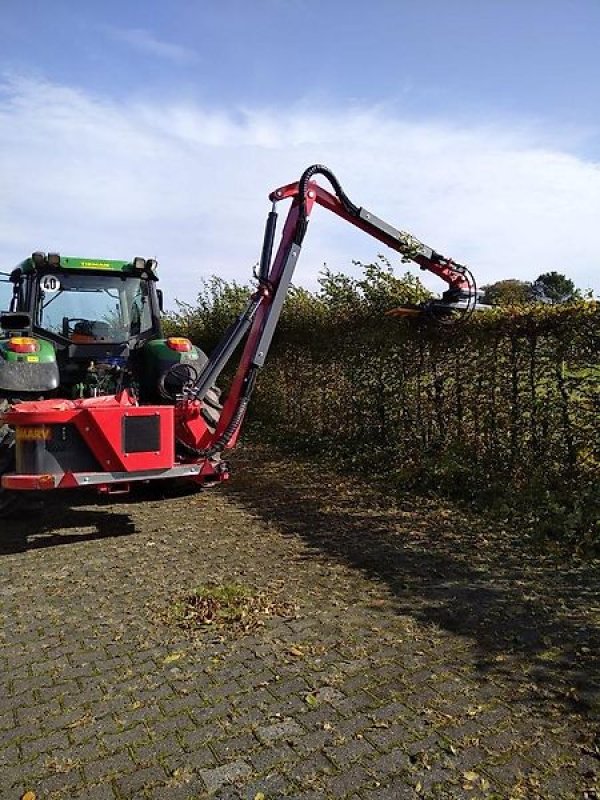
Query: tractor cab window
point(93, 308)
point(6, 292)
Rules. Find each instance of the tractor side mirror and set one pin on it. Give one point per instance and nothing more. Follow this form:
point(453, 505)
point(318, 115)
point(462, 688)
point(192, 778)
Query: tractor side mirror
point(15, 321)
point(161, 301)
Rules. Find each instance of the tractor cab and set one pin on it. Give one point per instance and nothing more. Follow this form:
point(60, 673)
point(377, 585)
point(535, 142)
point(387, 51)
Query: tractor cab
point(70, 317)
point(84, 301)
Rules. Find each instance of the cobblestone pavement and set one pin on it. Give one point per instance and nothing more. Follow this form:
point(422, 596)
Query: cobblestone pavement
point(430, 654)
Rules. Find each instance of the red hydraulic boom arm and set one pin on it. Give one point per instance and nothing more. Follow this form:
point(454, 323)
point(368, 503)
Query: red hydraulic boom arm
point(404, 243)
point(274, 278)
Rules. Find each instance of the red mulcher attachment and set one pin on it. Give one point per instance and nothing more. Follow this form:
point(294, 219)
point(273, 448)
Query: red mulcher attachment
point(99, 442)
point(112, 440)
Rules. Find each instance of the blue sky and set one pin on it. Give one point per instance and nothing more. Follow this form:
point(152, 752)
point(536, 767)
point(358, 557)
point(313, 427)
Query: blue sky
point(160, 128)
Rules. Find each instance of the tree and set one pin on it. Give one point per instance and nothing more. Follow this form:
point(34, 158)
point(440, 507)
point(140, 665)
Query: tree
point(509, 292)
point(554, 287)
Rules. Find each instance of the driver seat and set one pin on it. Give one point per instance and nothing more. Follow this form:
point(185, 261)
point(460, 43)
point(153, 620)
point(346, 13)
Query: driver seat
point(90, 331)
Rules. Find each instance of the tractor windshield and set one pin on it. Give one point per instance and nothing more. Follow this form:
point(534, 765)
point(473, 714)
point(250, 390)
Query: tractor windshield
point(91, 308)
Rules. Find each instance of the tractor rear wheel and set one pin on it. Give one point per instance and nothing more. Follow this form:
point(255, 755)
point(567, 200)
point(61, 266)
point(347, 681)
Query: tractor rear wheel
point(211, 408)
point(176, 377)
point(9, 501)
point(213, 398)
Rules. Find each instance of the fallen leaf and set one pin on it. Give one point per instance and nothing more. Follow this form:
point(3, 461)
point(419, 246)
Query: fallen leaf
point(28, 796)
point(311, 700)
point(295, 651)
point(172, 657)
point(259, 796)
point(470, 776)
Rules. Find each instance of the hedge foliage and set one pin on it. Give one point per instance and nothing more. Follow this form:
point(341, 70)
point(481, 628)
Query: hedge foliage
point(502, 411)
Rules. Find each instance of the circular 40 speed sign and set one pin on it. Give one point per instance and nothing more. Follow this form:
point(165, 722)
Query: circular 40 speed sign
point(50, 283)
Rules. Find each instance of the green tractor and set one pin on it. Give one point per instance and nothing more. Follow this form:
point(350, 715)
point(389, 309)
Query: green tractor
point(78, 328)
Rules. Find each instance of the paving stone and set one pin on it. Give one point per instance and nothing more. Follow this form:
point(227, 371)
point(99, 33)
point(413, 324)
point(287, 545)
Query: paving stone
point(388, 764)
point(194, 789)
point(114, 742)
point(509, 771)
point(115, 765)
point(200, 758)
point(7, 720)
point(267, 758)
point(200, 736)
point(350, 751)
point(9, 755)
point(134, 783)
point(162, 726)
point(271, 786)
point(311, 766)
point(226, 749)
point(329, 694)
point(219, 776)
point(355, 778)
point(314, 741)
point(103, 791)
point(61, 782)
point(287, 729)
point(384, 738)
point(389, 712)
point(397, 790)
point(41, 713)
point(33, 748)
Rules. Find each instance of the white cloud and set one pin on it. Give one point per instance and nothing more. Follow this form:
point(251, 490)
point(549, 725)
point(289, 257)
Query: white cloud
point(145, 42)
point(87, 176)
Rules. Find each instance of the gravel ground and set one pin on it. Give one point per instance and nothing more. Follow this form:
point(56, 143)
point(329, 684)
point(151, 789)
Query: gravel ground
point(399, 651)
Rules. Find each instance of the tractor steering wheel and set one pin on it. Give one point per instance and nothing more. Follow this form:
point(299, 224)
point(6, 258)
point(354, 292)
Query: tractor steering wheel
point(66, 324)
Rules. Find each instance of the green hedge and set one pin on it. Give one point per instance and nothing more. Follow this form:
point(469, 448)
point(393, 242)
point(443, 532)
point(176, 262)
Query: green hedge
point(502, 412)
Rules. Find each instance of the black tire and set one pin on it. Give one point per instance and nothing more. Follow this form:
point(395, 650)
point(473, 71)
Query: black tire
point(211, 404)
point(9, 501)
point(177, 375)
point(213, 398)
point(211, 408)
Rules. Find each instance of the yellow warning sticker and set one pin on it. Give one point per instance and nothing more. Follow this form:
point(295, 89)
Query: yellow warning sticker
point(33, 433)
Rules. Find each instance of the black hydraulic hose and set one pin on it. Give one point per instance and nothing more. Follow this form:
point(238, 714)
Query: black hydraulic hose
point(320, 169)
